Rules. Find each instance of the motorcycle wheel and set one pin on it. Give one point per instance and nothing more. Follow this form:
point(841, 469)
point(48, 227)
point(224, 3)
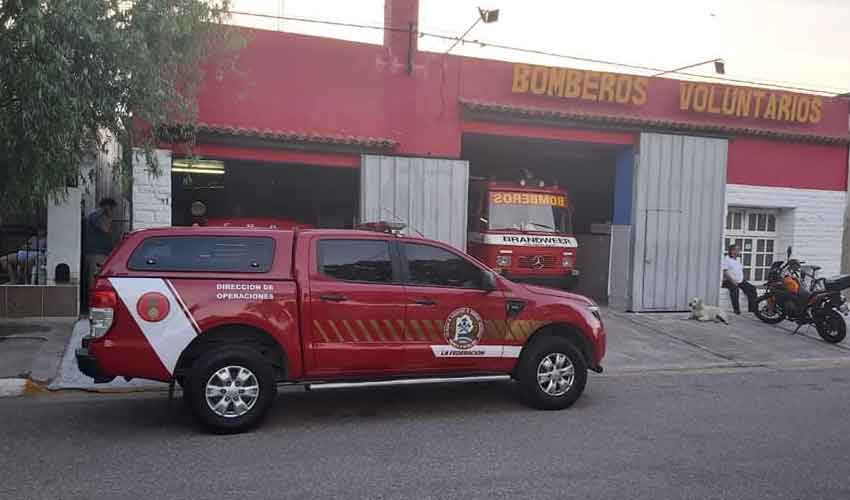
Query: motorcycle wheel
point(767, 311)
point(831, 327)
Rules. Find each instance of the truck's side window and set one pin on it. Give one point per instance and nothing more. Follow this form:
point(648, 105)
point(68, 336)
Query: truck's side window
point(356, 260)
point(428, 265)
point(229, 254)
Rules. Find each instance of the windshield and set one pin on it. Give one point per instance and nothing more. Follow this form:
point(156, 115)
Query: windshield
point(529, 212)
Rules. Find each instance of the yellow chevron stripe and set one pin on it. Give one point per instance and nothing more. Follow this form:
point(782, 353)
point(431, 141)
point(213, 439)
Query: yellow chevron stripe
point(439, 327)
point(413, 325)
point(364, 330)
point(376, 329)
point(347, 326)
point(406, 334)
point(318, 327)
point(336, 331)
point(394, 334)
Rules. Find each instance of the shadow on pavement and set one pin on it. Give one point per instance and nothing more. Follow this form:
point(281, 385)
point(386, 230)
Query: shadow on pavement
point(101, 416)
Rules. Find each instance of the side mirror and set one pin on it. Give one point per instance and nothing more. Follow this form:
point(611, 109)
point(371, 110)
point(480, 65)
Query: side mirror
point(788, 253)
point(489, 281)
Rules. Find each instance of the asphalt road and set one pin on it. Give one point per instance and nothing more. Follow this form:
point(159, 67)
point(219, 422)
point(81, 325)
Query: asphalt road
point(739, 435)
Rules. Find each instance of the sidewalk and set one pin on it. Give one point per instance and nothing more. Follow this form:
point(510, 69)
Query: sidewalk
point(30, 352)
point(663, 341)
point(41, 351)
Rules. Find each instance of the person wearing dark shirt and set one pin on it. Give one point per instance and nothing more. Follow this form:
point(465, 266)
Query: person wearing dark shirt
point(98, 240)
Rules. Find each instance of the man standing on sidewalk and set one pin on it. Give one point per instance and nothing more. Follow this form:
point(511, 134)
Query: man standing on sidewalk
point(733, 279)
point(98, 238)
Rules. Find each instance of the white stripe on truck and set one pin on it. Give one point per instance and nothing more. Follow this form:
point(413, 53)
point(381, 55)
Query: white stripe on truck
point(168, 337)
point(524, 240)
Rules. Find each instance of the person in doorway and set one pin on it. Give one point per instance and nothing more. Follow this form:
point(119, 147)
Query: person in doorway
point(733, 280)
point(98, 237)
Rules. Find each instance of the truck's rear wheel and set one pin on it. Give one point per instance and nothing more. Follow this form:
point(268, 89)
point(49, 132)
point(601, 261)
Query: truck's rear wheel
point(552, 374)
point(230, 389)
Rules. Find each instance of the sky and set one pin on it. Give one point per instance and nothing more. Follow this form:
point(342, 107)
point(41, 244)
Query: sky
point(802, 43)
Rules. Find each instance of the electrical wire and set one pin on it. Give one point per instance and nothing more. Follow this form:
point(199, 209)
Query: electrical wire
point(546, 53)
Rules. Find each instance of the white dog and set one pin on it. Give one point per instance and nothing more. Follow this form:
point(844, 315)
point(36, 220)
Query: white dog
point(702, 312)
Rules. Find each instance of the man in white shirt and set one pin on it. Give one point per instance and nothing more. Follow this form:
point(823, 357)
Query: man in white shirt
point(733, 279)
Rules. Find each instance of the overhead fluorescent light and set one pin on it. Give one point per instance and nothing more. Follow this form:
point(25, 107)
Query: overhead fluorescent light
point(198, 166)
point(197, 171)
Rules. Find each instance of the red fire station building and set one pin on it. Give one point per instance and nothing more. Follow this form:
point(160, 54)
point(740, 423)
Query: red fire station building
point(661, 173)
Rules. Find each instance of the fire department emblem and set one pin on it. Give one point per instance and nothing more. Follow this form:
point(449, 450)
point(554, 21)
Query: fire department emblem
point(463, 328)
point(153, 307)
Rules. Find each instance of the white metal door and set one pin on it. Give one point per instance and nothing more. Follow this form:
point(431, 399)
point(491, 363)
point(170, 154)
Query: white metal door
point(680, 196)
point(429, 195)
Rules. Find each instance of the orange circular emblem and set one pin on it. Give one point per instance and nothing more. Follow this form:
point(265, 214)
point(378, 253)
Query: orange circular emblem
point(153, 307)
point(463, 328)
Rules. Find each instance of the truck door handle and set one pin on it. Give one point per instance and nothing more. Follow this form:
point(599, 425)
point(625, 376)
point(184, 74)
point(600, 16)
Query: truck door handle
point(425, 301)
point(333, 297)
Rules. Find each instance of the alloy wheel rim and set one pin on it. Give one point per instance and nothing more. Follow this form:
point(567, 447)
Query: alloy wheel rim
point(555, 374)
point(232, 391)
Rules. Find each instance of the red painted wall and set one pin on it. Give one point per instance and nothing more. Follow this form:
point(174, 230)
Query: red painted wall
point(309, 84)
point(318, 85)
point(782, 164)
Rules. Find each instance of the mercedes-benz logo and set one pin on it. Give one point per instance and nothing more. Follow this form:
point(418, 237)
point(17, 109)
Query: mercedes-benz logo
point(537, 262)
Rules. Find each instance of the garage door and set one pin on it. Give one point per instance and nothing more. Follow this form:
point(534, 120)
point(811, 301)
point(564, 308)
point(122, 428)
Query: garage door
point(429, 195)
point(680, 195)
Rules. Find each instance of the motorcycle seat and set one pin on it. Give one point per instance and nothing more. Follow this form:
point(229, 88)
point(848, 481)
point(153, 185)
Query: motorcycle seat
point(837, 283)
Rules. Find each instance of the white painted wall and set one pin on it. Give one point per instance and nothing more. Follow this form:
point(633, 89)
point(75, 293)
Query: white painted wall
point(64, 235)
point(810, 220)
point(151, 193)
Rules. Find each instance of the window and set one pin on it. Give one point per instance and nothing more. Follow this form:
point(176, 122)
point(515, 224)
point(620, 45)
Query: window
point(543, 217)
point(230, 254)
point(754, 232)
point(356, 260)
point(432, 266)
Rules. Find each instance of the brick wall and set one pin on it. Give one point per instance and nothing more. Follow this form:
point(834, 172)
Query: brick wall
point(151, 193)
point(810, 220)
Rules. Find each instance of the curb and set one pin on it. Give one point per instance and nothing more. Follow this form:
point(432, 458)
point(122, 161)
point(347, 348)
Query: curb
point(15, 387)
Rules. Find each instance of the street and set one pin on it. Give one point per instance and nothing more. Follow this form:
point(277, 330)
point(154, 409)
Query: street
point(714, 433)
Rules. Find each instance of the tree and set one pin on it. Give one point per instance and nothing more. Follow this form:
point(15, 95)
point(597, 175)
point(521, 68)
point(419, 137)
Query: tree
point(75, 71)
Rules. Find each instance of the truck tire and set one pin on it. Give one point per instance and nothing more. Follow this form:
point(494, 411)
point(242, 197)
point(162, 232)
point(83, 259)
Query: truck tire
point(230, 389)
point(552, 374)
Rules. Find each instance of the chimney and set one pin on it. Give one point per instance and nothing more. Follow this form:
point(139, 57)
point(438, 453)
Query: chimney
point(400, 15)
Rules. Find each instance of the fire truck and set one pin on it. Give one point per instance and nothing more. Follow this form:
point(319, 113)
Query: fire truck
point(523, 230)
point(229, 313)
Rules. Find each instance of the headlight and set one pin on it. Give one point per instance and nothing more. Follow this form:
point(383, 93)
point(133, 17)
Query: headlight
point(503, 261)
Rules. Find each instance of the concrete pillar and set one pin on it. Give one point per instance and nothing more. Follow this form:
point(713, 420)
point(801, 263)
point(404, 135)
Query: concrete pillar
point(64, 235)
point(620, 259)
point(151, 193)
point(845, 241)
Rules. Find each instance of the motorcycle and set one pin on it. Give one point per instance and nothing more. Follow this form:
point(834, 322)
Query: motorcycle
point(820, 303)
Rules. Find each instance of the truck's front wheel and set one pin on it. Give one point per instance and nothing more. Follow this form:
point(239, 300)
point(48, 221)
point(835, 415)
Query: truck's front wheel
point(552, 374)
point(231, 388)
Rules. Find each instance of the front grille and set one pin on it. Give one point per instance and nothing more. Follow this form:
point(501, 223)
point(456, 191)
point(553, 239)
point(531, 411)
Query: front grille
point(531, 261)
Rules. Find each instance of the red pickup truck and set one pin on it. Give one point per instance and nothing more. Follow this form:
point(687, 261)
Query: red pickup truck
point(229, 313)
